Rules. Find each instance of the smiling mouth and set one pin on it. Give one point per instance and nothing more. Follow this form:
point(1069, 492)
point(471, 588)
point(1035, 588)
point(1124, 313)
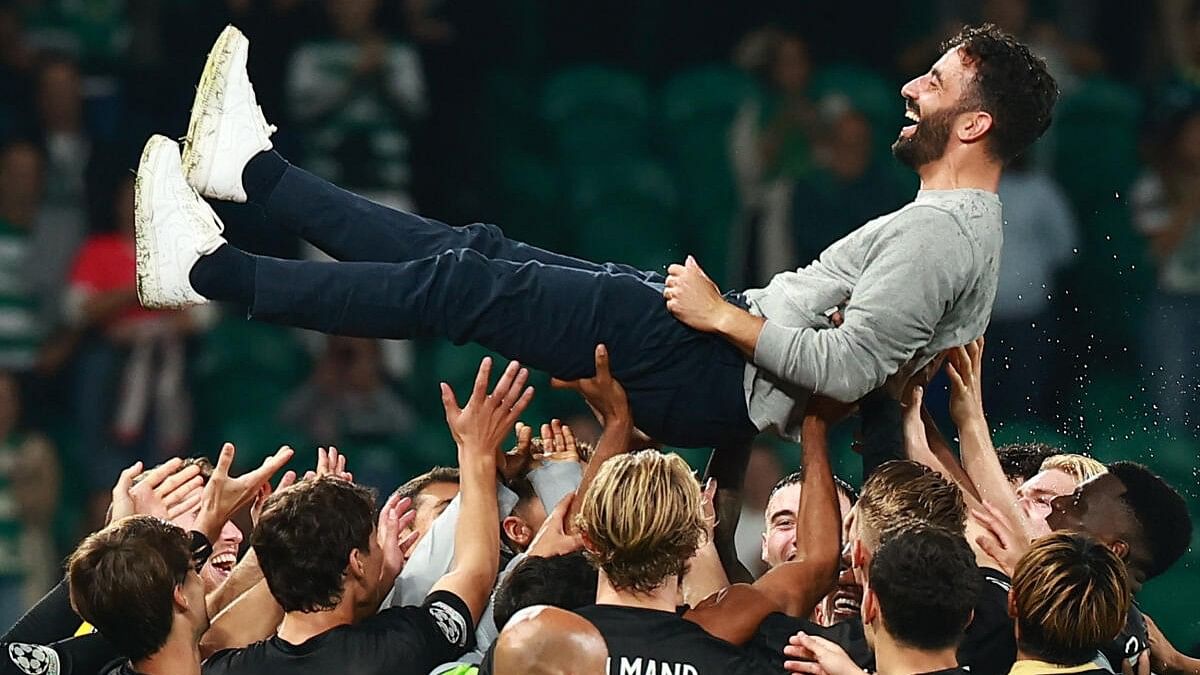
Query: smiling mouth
point(846, 603)
point(224, 562)
point(910, 129)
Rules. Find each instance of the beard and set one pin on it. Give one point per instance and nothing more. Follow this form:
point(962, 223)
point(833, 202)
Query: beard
point(928, 142)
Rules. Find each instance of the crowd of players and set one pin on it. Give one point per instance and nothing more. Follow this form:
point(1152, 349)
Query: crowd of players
point(558, 557)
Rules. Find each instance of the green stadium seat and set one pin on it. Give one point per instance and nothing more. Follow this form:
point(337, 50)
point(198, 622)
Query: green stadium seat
point(626, 212)
point(596, 113)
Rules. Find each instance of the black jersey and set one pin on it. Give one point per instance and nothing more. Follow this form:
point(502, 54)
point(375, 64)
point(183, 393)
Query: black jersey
point(396, 641)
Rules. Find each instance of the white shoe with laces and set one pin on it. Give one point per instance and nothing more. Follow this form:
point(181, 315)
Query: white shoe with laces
point(174, 228)
point(227, 127)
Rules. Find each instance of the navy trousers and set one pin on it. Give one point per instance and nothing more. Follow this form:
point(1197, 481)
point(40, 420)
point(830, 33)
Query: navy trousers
point(399, 275)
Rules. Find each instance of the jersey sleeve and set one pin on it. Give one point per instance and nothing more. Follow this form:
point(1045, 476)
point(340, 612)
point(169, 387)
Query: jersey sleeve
point(428, 635)
point(84, 655)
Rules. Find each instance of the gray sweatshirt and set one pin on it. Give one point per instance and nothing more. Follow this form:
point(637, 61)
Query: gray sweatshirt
point(910, 284)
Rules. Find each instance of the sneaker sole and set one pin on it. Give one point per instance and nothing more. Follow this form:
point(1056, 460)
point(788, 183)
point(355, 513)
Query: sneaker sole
point(149, 286)
point(208, 94)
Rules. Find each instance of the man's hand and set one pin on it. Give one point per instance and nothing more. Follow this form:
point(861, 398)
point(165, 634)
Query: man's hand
point(396, 515)
point(224, 494)
point(558, 444)
point(555, 538)
point(812, 654)
point(265, 491)
point(482, 425)
point(330, 463)
point(964, 365)
point(1000, 541)
point(693, 298)
point(161, 492)
point(602, 391)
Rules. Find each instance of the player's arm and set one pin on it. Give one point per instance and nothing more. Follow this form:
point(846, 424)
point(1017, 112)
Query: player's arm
point(911, 275)
point(478, 430)
point(797, 586)
point(793, 587)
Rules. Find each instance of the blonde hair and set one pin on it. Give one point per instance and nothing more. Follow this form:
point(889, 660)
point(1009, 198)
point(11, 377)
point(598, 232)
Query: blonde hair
point(642, 519)
point(1071, 595)
point(1079, 467)
point(904, 493)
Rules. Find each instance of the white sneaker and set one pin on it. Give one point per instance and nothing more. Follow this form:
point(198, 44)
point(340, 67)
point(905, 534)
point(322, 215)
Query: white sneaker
point(174, 228)
point(227, 127)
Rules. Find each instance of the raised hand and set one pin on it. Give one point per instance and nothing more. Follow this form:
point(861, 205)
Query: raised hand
point(558, 444)
point(482, 424)
point(224, 494)
point(602, 391)
point(160, 491)
point(396, 515)
point(264, 492)
point(555, 537)
point(516, 462)
point(330, 463)
point(693, 298)
point(964, 366)
point(998, 539)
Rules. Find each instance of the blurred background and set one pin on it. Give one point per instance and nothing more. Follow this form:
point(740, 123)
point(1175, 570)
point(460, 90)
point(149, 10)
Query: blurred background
point(749, 134)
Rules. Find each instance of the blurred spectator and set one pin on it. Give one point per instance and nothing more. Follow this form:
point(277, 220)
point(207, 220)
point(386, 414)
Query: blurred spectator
point(132, 399)
point(61, 220)
point(1166, 209)
point(1040, 239)
point(29, 489)
point(358, 95)
point(16, 61)
point(346, 401)
point(21, 331)
point(850, 185)
point(770, 149)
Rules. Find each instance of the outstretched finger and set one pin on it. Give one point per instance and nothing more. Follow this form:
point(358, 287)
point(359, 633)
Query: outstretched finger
point(521, 404)
point(224, 461)
point(182, 492)
point(271, 465)
point(564, 384)
point(125, 480)
point(514, 389)
point(500, 391)
point(449, 401)
point(482, 376)
point(569, 442)
point(602, 366)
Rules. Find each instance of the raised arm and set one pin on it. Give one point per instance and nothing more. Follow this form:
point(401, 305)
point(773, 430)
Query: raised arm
point(478, 429)
point(797, 586)
point(911, 274)
point(607, 397)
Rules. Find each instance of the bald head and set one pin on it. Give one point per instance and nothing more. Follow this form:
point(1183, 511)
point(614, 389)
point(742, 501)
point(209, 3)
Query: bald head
point(543, 640)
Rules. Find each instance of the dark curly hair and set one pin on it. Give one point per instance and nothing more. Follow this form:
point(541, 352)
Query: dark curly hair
point(1022, 461)
point(1161, 512)
point(927, 583)
point(304, 538)
point(1011, 83)
point(564, 581)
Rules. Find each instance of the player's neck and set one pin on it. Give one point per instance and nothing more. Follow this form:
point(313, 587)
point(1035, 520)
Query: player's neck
point(955, 172)
point(300, 627)
point(179, 656)
point(892, 658)
point(662, 598)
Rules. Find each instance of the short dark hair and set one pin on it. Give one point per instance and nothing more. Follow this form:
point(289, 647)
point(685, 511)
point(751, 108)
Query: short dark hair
point(1071, 596)
point(438, 474)
point(1160, 510)
point(927, 583)
point(1011, 83)
point(122, 581)
point(1024, 460)
point(796, 477)
point(304, 537)
point(564, 581)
